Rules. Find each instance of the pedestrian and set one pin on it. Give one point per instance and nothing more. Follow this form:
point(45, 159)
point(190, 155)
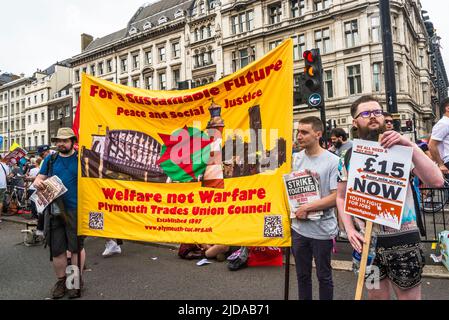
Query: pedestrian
point(340, 140)
point(439, 141)
point(62, 230)
point(399, 254)
point(313, 239)
point(4, 173)
point(389, 124)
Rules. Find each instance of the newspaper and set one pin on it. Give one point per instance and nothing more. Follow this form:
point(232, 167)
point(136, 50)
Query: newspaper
point(54, 188)
point(302, 187)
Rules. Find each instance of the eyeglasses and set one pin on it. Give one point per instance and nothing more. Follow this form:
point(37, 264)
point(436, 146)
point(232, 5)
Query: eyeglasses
point(366, 114)
point(388, 121)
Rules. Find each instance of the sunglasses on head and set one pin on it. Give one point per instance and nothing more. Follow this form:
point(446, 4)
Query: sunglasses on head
point(367, 114)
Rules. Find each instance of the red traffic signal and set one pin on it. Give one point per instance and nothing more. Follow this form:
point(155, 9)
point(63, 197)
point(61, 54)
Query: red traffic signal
point(310, 55)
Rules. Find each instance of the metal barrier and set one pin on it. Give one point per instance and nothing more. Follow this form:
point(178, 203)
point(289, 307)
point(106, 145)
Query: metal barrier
point(434, 205)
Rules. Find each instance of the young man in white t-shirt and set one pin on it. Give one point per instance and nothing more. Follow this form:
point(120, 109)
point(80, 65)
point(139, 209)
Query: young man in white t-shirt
point(439, 142)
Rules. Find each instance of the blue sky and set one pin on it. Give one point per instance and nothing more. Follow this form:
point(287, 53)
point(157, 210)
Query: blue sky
point(42, 32)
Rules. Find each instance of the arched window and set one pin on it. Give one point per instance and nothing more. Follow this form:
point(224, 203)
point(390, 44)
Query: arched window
point(147, 25)
point(203, 32)
point(162, 20)
point(209, 31)
point(133, 30)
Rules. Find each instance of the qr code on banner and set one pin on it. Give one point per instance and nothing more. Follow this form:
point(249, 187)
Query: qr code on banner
point(273, 227)
point(96, 220)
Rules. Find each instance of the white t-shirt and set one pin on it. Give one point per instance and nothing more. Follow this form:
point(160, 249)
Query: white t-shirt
point(34, 172)
point(3, 176)
point(440, 132)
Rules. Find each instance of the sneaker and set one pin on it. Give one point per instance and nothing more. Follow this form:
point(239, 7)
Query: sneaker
point(59, 289)
point(111, 249)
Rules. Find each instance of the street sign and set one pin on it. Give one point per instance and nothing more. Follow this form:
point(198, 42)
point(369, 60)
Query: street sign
point(315, 100)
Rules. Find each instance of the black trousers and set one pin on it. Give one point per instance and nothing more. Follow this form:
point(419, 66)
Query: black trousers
point(304, 250)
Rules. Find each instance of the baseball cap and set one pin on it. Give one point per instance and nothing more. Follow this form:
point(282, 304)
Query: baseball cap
point(41, 149)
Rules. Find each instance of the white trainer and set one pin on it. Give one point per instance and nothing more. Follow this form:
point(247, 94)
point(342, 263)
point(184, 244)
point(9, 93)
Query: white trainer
point(111, 248)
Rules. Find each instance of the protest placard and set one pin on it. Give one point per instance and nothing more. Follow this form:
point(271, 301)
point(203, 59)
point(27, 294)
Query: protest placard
point(377, 182)
point(14, 156)
point(302, 187)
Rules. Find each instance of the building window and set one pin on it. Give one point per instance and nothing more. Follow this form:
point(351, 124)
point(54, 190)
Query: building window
point(35, 141)
point(42, 97)
point(42, 116)
point(67, 111)
point(297, 8)
point(60, 113)
point(100, 68)
point(149, 82)
point(351, 34)
point(274, 44)
point(299, 44)
point(242, 58)
point(275, 12)
point(394, 27)
point(397, 75)
point(176, 78)
point(124, 64)
point(52, 115)
point(136, 83)
point(162, 81)
point(322, 40)
point(35, 118)
point(136, 61)
point(321, 4)
point(92, 70)
point(202, 8)
point(242, 22)
point(354, 79)
point(29, 141)
point(29, 119)
point(176, 50)
point(377, 74)
point(109, 65)
point(148, 57)
point(161, 51)
point(328, 84)
point(375, 29)
point(77, 79)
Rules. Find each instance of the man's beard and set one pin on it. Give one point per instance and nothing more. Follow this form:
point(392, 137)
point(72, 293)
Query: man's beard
point(338, 144)
point(64, 150)
point(370, 134)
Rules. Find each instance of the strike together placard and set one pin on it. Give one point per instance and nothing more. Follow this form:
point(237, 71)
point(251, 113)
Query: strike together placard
point(203, 165)
point(377, 182)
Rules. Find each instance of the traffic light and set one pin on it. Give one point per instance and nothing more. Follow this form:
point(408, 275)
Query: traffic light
point(313, 79)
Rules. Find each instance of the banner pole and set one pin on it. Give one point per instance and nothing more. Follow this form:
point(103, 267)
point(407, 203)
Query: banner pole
point(287, 273)
point(364, 260)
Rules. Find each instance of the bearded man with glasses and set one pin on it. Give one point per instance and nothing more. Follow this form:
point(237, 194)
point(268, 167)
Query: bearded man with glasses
point(399, 254)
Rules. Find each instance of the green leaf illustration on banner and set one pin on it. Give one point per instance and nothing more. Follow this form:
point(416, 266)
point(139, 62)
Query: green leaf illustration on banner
point(185, 154)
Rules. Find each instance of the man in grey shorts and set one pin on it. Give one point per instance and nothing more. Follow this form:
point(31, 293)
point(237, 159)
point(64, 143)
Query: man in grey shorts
point(62, 230)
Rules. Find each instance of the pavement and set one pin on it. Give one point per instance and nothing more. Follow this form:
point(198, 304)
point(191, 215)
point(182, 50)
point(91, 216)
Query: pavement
point(147, 271)
point(341, 260)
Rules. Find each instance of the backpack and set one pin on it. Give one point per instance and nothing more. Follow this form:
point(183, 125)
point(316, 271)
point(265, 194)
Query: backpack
point(415, 192)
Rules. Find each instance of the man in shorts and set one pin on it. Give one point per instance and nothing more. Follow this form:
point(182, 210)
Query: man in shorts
point(399, 254)
point(62, 230)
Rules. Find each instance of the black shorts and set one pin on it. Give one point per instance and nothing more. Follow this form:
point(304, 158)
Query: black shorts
point(401, 259)
point(63, 234)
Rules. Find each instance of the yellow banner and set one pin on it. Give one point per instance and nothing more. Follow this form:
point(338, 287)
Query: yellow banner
point(196, 166)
